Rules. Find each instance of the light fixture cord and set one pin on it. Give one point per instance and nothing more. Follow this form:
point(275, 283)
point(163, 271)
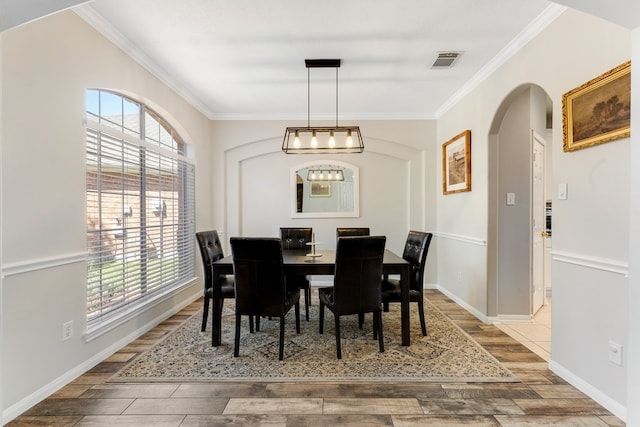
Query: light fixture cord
point(308, 97)
point(336, 96)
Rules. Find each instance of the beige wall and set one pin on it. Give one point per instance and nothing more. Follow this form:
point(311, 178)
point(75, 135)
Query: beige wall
point(254, 175)
point(46, 67)
point(590, 235)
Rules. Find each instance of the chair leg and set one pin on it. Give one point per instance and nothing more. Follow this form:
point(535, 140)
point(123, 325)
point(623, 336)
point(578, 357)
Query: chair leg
point(375, 326)
point(307, 301)
point(281, 352)
point(205, 314)
point(378, 315)
point(421, 313)
point(338, 348)
point(360, 320)
point(251, 325)
point(257, 323)
point(321, 318)
point(236, 346)
point(297, 312)
point(385, 307)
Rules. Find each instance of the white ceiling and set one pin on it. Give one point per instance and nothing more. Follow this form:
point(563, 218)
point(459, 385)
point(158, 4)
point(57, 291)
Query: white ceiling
point(244, 59)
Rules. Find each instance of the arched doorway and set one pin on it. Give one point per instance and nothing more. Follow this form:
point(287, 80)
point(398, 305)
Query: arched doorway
point(520, 123)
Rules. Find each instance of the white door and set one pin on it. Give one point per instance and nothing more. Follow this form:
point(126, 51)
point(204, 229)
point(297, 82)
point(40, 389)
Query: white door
point(538, 229)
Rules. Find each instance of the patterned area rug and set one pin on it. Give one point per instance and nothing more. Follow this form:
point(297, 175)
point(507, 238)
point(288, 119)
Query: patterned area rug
point(446, 354)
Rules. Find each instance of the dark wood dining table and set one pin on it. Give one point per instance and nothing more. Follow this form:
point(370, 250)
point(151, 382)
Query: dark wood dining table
point(298, 263)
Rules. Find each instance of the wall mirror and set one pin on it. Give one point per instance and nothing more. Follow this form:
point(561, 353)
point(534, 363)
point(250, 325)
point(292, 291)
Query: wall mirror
point(324, 189)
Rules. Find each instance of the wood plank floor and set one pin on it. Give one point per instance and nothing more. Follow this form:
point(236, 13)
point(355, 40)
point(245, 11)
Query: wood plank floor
point(541, 399)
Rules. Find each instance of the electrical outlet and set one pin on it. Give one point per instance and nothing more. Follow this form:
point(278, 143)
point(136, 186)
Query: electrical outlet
point(67, 330)
point(615, 353)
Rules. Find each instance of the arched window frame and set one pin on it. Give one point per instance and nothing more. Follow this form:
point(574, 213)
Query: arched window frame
point(140, 209)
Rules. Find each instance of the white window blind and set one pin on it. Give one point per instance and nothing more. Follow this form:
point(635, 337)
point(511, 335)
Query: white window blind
point(140, 207)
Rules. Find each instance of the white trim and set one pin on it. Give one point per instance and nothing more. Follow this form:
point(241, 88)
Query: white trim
point(28, 266)
point(603, 264)
point(460, 238)
point(107, 29)
point(2, 300)
point(535, 27)
point(27, 402)
point(611, 405)
point(115, 133)
point(520, 318)
point(132, 311)
point(481, 316)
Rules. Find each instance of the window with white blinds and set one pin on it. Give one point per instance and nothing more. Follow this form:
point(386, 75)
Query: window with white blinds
point(140, 207)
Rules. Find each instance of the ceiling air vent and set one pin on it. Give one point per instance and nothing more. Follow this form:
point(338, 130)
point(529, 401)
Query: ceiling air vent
point(446, 59)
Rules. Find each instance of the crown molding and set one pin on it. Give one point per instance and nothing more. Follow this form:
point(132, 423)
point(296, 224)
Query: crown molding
point(104, 27)
point(542, 21)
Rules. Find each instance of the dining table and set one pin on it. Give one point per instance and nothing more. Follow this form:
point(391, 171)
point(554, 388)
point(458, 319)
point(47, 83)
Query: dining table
point(322, 262)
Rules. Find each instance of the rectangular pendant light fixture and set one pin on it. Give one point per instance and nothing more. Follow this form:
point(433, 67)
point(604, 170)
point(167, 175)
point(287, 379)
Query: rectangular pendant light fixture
point(322, 139)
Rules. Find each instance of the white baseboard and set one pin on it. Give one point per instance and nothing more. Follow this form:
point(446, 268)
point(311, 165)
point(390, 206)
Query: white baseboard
point(609, 404)
point(43, 392)
point(481, 316)
point(522, 318)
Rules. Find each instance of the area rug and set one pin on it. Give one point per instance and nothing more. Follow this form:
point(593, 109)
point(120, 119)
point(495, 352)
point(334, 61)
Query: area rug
point(446, 354)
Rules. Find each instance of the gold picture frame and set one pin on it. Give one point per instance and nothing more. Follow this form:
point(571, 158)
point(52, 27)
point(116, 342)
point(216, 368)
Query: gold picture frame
point(456, 164)
point(598, 111)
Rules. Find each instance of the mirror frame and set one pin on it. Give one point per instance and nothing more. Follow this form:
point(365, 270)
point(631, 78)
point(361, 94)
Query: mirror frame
point(336, 163)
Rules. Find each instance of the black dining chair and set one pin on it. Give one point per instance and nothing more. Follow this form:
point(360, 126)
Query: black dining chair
point(415, 251)
point(356, 284)
point(261, 286)
point(211, 251)
point(296, 238)
point(352, 231)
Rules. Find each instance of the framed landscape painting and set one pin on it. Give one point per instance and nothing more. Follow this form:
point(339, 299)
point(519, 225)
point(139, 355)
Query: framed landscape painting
point(456, 164)
point(598, 111)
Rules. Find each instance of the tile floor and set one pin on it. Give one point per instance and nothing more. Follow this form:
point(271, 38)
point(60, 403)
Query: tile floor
point(535, 335)
point(540, 399)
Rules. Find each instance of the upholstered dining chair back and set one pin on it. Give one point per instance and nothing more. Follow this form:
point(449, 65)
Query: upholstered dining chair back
point(296, 237)
point(358, 274)
point(415, 252)
point(356, 284)
point(261, 288)
point(416, 248)
point(211, 251)
point(352, 231)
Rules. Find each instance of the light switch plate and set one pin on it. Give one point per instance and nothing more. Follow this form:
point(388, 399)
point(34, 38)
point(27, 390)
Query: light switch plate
point(511, 199)
point(562, 191)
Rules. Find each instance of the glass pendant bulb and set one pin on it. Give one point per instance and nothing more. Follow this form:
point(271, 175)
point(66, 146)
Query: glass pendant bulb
point(296, 140)
point(332, 140)
point(349, 139)
point(314, 140)
point(313, 175)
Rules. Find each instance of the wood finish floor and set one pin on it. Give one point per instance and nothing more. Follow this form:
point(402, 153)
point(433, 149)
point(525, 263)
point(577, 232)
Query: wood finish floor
point(541, 399)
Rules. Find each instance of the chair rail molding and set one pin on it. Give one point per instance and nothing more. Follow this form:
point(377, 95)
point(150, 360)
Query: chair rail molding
point(460, 238)
point(27, 266)
point(603, 264)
